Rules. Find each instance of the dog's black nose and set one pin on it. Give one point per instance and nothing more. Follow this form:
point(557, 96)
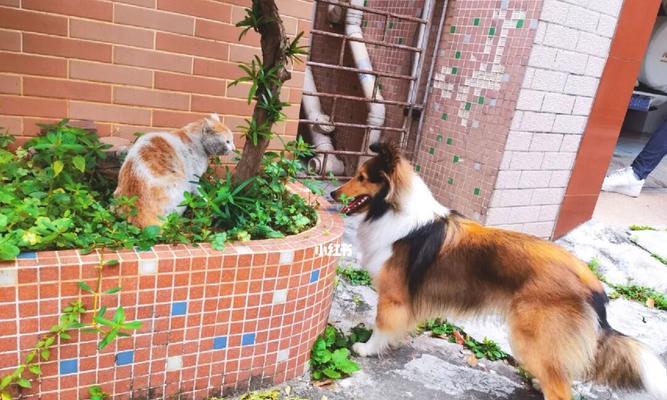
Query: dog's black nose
point(333, 194)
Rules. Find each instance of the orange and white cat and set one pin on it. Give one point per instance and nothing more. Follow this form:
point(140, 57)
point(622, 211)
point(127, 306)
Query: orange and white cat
point(161, 166)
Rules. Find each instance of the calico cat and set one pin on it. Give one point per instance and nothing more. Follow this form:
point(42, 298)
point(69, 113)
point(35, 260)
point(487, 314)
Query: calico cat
point(161, 166)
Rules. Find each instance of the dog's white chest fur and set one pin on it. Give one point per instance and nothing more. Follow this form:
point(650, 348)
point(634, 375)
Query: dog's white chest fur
point(377, 237)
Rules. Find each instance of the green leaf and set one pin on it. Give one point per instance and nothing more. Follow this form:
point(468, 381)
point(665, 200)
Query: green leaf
point(85, 287)
point(6, 380)
point(132, 325)
point(45, 354)
point(79, 163)
point(57, 167)
point(111, 263)
point(24, 383)
point(35, 369)
point(331, 373)
point(8, 251)
point(112, 290)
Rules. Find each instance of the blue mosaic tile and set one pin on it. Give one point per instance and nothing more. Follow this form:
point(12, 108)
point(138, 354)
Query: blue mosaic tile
point(27, 255)
point(314, 276)
point(179, 308)
point(69, 366)
point(247, 338)
point(220, 342)
point(125, 357)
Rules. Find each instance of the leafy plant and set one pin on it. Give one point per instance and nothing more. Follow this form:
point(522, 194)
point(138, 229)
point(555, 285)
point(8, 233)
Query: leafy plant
point(642, 228)
point(330, 356)
point(644, 295)
point(485, 349)
point(356, 276)
point(71, 319)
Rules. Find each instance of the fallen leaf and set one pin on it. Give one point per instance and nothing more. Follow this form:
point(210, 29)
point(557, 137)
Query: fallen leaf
point(650, 303)
point(472, 360)
point(323, 383)
point(459, 338)
point(288, 389)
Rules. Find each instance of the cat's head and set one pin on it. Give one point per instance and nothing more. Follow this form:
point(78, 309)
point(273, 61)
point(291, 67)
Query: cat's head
point(217, 138)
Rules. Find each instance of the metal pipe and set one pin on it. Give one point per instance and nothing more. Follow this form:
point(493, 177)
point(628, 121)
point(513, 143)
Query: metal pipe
point(350, 125)
point(356, 98)
point(364, 40)
point(372, 11)
point(358, 70)
point(427, 91)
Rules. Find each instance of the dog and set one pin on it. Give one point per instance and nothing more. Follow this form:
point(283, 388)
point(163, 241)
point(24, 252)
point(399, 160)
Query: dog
point(427, 260)
point(161, 166)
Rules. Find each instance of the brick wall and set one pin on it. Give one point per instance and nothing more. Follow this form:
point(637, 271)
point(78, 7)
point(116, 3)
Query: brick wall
point(131, 65)
point(213, 321)
point(569, 52)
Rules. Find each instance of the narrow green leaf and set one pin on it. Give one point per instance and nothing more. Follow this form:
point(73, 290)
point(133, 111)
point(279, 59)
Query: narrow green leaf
point(79, 163)
point(85, 287)
point(57, 167)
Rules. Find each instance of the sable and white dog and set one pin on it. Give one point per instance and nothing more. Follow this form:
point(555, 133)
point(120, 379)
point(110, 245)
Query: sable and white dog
point(161, 166)
point(427, 261)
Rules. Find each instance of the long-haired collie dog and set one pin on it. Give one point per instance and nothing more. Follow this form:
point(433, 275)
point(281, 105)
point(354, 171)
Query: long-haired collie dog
point(427, 260)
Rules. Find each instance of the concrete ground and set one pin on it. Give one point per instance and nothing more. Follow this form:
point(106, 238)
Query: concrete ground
point(651, 206)
point(427, 368)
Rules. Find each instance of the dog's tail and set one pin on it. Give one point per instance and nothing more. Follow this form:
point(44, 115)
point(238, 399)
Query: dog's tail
point(625, 363)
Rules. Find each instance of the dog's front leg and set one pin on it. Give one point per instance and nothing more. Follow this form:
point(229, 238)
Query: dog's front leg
point(392, 323)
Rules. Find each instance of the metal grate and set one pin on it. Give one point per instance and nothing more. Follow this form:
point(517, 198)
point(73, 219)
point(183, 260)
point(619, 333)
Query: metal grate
point(413, 99)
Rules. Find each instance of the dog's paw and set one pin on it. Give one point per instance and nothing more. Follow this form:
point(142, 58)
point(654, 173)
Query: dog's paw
point(363, 349)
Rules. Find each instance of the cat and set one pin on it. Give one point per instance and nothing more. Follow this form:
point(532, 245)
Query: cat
point(161, 166)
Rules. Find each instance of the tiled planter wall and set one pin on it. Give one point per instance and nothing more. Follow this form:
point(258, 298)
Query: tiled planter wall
point(212, 321)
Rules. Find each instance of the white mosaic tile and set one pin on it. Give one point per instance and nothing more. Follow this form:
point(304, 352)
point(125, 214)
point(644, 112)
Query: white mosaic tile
point(174, 363)
point(9, 276)
point(279, 296)
point(286, 257)
point(148, 267)
point(283, 355)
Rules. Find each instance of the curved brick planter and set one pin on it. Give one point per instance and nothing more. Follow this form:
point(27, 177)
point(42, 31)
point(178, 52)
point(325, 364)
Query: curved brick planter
point(212, 321)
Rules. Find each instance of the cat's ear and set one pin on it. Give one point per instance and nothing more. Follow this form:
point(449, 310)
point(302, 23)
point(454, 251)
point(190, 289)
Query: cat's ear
point(215, 117)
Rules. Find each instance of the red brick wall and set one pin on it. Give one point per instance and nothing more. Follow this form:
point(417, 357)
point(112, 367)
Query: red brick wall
point(131, 65)
point(213, 321)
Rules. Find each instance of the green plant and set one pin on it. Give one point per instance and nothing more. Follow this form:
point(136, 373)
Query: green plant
point(485, 349)
point(51, 197)
point(330, 356)
point(642, 228)
point(266, 77)
point(355, 276)
point(641, 294)
point(71, 319)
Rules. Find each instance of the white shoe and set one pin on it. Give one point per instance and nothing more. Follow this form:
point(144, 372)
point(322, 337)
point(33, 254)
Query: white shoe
point(623, 181)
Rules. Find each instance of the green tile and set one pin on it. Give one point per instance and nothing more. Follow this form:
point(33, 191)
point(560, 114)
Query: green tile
point(519, 23)
point(449, 140)
point(480, 100)
point(418, 167)
point(390, 25)
point(431, 150)
point(468, 105)
point(476, 191)
point(380, 86)
point(452, 29)
point(475, 21)
point(455, 159)
point(400, 40)
point(492, 31)
point(444, 116)
point(454, 70)
point(439, 138)
point(364, 23)
point(450, 181)
point(457, 55)
point(365, 3)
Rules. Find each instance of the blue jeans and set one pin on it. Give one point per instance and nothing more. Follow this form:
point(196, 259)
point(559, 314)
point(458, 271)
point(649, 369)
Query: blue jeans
point(653, 152)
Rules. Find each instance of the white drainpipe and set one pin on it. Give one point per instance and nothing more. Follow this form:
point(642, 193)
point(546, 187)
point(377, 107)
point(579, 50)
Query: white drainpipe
point(376, 111)
point(313, 110)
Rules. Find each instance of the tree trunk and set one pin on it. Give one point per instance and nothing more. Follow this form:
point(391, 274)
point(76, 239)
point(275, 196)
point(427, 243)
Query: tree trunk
point(274, 41)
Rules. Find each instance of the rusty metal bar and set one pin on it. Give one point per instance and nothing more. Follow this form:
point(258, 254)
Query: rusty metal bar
point(369, 41)
point(358, 70)
point(374, 11)
point(356, 98)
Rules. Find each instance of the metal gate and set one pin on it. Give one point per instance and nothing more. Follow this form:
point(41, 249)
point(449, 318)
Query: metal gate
point(408, 95)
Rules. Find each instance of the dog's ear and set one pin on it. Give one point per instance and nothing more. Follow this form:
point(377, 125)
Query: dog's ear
point(389, 155)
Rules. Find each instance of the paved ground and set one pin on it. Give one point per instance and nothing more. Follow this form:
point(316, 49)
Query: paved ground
point(651, 206)
point(428, 368)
